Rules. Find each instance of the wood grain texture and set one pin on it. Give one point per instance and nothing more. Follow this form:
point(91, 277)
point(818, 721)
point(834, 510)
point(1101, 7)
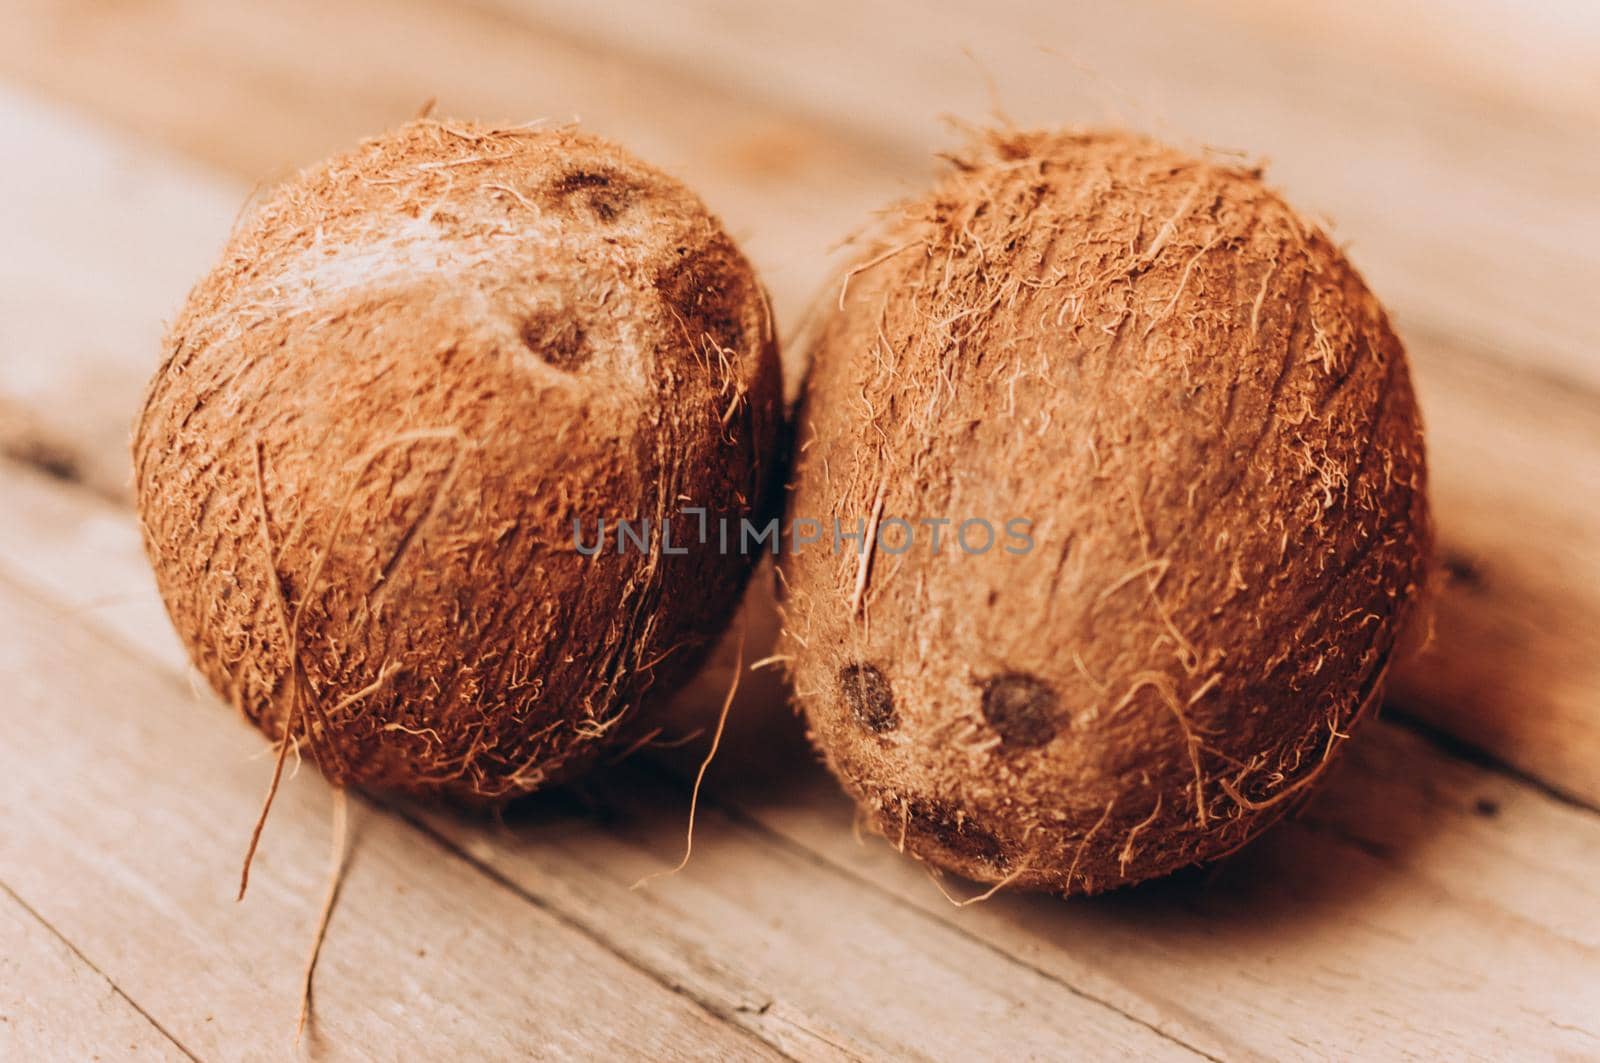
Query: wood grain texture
point(1513, 666)
point(1392, 913)
point(1472, 217)
point(736, 940)
point(1426, 903)
point(277, 97)
point(43, 980)
point(101, 246)
point(1417, 897)
point(116, 772)
point(1432, 161)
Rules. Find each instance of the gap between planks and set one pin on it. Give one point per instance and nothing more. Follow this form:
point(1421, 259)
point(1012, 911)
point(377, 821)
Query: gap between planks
point(926, 953)
point(821, 838)
point(788, 179)
point(92, 1026)
point(397, 892)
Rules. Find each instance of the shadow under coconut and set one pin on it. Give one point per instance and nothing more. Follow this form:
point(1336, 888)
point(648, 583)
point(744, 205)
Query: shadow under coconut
point(1366, 812)
point(1370, 809)
point(762, 749)
point(763, 746)
point(1323, 894)
point(1313, 875)
point(1354, 831)
point(1314, 890)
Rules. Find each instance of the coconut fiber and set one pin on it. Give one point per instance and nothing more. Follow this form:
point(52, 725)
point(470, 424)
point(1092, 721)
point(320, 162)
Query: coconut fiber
point(1207, 422)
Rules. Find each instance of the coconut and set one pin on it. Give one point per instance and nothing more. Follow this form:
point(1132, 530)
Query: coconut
point(1139, 481)
point(419, 371)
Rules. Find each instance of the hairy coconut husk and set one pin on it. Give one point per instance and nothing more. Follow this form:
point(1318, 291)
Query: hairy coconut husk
point(1208, 421)
point(415, 366)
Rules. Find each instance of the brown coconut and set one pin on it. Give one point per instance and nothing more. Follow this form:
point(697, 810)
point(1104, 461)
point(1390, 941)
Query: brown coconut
point(416, 365)
point(1203, 415)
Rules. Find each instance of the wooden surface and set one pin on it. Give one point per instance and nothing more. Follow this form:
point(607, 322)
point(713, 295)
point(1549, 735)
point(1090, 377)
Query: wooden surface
point(1441, 898)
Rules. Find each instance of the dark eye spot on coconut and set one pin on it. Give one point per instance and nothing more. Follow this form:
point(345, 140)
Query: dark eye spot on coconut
point(555, 338)
point(1023, 709)
point(1463, 572)
point(705, 304)
point(603, 193)
point(575, 180)
point(871, 701)
point(945, 825)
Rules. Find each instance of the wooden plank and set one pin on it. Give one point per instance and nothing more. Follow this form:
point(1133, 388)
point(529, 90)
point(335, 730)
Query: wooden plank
point(1470, 208)
point(1338, 893)
point(1493, 52)
point(1514, 663)
point(1501, 674)
point(1392, 918)
point(101, 244)
point(288, 83)
point(1459, 164)
point(728, 931)
point(841, 961)
point(1420, 900)
point(1480, 656)
point(105, 790)
point(42, 980)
